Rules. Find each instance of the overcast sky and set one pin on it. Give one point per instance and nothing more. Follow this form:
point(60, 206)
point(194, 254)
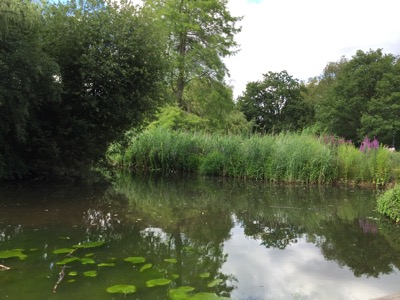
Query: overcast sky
point(302, 36)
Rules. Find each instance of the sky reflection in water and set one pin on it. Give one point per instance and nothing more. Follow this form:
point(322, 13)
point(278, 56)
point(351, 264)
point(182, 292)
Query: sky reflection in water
point(298, 272)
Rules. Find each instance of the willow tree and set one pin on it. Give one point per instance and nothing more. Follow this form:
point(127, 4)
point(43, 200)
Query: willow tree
point(198, 35)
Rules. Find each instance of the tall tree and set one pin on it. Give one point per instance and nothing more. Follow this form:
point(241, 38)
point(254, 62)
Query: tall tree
point(276, 103)
point(381, 118)
point(110, 67)
point(26, 84)
point(198, 35)
point(353, 88)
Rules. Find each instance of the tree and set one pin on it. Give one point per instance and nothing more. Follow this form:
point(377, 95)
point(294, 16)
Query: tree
point(27, 83)
point(276, 103)
point(348, 97)
point(381, 118)
point(198, 35)
point(81, 75)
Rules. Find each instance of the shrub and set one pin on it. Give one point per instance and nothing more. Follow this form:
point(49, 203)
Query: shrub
point(389, 203)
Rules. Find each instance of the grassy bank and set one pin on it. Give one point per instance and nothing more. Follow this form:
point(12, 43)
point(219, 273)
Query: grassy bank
point(288, 157)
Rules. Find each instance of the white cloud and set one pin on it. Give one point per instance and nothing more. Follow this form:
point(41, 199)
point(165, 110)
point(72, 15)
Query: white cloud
point(303, 36)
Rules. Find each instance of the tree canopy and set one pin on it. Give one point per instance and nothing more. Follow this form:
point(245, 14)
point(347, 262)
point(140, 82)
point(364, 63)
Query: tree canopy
point(275, 103)
point(73, 80)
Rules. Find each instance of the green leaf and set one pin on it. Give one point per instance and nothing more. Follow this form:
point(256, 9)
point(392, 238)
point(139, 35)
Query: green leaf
point(214, 282)
point(204, 275)
point(67, 260)
point(181, 293)
point(171, 260)
point(106, 265)
point(145, 267)
point(73, 273)
point(206, 296)
point(121, 289)
point(87, 261)
point(63, 250)
point(92, 273)
point(135, 259)
point(89, 245)
point(13, 253)
point(158, 282)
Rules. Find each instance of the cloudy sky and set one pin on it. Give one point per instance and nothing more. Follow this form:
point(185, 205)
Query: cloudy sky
point(301, 37)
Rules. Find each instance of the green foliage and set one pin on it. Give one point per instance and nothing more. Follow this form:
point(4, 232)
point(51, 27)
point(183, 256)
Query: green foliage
point(276, 104)
point(389, 203)
point(74, 76)
point(26, 85)
point(198, 35)
point(347, 107)
point(286, 157)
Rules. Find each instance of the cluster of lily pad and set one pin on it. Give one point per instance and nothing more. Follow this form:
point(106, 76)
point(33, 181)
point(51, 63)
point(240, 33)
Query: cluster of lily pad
point(183, 292)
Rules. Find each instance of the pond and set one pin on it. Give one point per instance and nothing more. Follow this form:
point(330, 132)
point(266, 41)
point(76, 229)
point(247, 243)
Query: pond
point(194, 238)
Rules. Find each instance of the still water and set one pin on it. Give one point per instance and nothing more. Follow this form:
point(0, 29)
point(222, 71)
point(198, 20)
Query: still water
point(194, 238)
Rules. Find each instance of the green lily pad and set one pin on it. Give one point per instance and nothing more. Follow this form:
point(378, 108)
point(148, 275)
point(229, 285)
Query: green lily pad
point(63, 250)
point(92, 273)
point(89, 245)
point(145, 267)
point(121, 289)
point(71, 280)
point(206, 296)
point(214, 282)
point(67, 260)
point(171, 260)
point(89, 255)
point(13, 253)
point(175, 276)
point(73, 273)
point(181, 293)
point(135, 259)
point(158, 282)
point(87, 261)
point(204, 275)
point(106, 265)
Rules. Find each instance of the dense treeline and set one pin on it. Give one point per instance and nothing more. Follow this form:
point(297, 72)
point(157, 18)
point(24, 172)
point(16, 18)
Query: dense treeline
point(80, 75)
point(74, 77)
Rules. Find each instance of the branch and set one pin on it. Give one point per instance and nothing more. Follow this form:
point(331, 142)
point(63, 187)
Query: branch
point(5, 268)
point(60, 277)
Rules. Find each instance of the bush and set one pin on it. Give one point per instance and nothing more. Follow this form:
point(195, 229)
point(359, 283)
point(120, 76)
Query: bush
point(389, 203)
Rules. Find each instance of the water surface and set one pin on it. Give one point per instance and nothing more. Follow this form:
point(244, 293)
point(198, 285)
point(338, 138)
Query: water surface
point(223, 238)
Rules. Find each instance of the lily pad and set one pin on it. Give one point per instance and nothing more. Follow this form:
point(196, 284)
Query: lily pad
point(204, 275)
point(87, 261)
point(89, 245)
point(63, 250)
point(206, 296)
point(158, 282)
point(92, 273)
point(106, 265)
point(135, 259)
point(71, 280)
point(215, 282)
point(175, 276)
point(171, 260)
point(89, 255)
point(73, 273)
point(67, 260)
point(13, 253)
point(181, 293)
point(145, 267)
point(121, 289)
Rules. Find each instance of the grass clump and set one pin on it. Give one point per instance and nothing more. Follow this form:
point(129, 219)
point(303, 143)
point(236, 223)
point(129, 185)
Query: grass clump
point(286, 157)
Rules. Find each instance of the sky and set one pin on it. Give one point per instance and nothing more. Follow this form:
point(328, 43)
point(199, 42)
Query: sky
point(302, 36)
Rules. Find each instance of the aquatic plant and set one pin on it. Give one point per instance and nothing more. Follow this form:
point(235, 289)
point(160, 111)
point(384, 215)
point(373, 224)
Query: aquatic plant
point(286, 157)
point(389, 203)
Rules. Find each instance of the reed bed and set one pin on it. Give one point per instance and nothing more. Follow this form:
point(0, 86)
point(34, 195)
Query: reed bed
point(287, 157)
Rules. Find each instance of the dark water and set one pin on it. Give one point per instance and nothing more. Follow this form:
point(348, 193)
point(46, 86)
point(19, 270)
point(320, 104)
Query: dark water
point(233, 239)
